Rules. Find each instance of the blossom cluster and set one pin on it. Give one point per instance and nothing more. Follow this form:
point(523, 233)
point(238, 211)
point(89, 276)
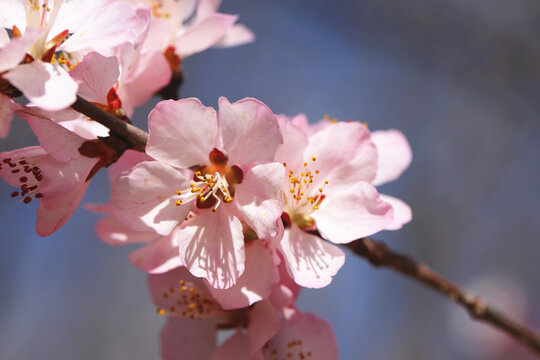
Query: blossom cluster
point(236, 209)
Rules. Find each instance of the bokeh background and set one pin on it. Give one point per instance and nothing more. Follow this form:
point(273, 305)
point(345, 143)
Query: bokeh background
point(460, 78)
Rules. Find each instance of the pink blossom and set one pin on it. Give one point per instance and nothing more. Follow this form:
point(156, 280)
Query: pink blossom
point(234, 181)
point(328, 189)
point(187, 28)
point(91, 25)
point(55, 173)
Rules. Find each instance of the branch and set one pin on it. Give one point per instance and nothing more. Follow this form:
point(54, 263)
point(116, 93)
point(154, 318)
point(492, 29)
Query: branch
point(379, 255)
point(132, 134)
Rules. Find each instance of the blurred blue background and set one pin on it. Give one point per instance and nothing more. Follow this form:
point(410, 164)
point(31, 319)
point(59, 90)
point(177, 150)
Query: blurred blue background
point(461, 79)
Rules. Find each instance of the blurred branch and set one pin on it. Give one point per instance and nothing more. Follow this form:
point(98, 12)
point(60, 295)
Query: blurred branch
point(132, 134)
point(379, 255)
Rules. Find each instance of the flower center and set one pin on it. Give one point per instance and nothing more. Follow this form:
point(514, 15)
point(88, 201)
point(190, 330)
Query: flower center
point(213, 184)
point(302, 196)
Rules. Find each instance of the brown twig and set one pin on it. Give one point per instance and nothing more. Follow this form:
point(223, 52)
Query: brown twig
point(132, 134)
point(379, 255)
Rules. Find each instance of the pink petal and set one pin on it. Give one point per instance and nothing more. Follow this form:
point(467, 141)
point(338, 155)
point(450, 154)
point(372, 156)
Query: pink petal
point(62, 144)
point(144, 199)
point(48, 221)
point(311, 262)
point(402, 212)
point(304, 336)
point(295, 141)
point(255, 283)
point(143, 79)
point(259, 199)
point(62, 181)
point(107, 28)
point(12, 51)
point(48, 86)
point(96, 74)
point(395, 155)
point(264, 323)
point(182, 133)
point(235, 348)
point(207, 8)
point(204, 34)
point(212, 247)
point(237, 35)
point(249, 131)
point(285, 293)
point(158, 257)
point(351, 212)
point(6, 114)
point(128, 160)
point(188, 339)
point(13, 13)
point(85, 128)
point(113, 232)
point(178, 293)
point(344, 154)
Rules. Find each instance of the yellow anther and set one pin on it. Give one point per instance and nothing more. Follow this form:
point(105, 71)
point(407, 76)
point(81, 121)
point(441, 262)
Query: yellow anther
point(314, 158)
point(315, 207)
point(305, 164)
point(191, 306)
point(202, 198)
point(160, 312)
point(214, 209)
point(285, 164)
point(316, 171)
point(192, 185)
point(178, 202)
point(320, 190)
point(179, 192)
point(183, 288)
point(181, 282)
point(326, 181)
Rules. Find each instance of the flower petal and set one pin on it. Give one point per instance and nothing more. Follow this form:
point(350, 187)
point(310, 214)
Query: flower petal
point(295, 141)
point(60, 143)
point(351, 212)
point(182, 133)
point(110, 26)
point(344, 154)
point(144, 199)
point(48, 86)
point(264, 323)
point(158, 257)
point(402, 212)
point(237, 35)
point(249, 131)
point(212, 247)
point(13, 51)
point(310, 261)
point(304, 335)
point(113, 232)
point(96, 74)
point(204, 34)
point(255, 283)
point(259, 199)
point(144, 78)
point(395, 155)
point(188, 339)
point(48, 221)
